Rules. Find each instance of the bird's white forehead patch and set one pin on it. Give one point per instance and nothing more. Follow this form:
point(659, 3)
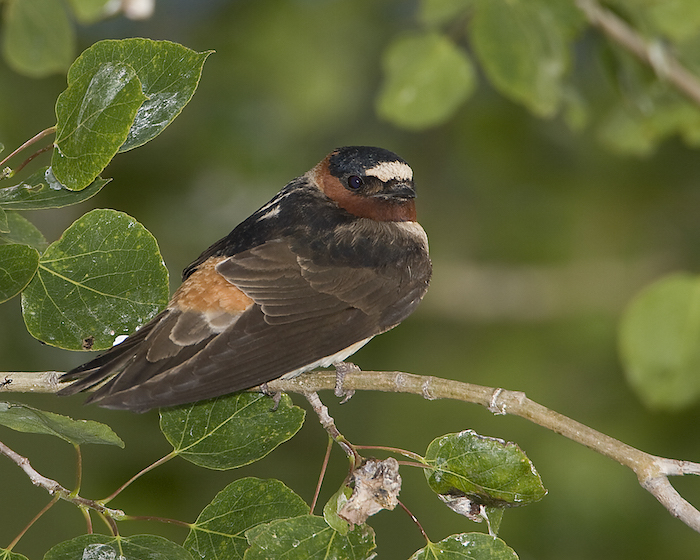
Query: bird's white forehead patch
point(388, 170)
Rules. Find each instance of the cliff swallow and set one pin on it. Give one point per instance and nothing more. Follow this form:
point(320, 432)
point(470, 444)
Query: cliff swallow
point(335, 258)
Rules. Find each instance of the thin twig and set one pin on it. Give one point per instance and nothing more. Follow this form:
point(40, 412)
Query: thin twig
point(666, 66)
point(328, 424)
point(54, 488)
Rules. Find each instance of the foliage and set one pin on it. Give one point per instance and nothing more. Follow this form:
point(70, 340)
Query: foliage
point(27, 419)
point(658, 342)
point(39, 37)
point(105, 275)
point(526, 49)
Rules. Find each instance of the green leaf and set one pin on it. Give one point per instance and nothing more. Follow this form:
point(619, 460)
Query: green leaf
point(335, 504)
point(467, 546)
point(8, 555)
point(41, 190)
point(659, 334)
point(434, 13)
point(38, 37)
point(94, 116)
point(22, 232)
point(90, 11)
point(522, 49)
point(103, 278)
point(493, 517)
point(219, 531)
point(231, 431)
point(427, 77)
point(307, 538)
point(648, 111)
point(103, 547)
point(23, 418)
point(634, 132)
point(677, 19)
point(121, 94)
point(486, 470)
point(575, 110)
point(626, 133)
point(169, 74)
point(18, 265)
point(4, 226)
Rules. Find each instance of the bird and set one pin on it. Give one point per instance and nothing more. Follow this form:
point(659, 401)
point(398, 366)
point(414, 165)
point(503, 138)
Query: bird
point(332, 260)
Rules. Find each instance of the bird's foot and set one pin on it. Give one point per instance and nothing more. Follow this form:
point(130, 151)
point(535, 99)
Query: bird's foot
point(341, 370)
point(276, 396)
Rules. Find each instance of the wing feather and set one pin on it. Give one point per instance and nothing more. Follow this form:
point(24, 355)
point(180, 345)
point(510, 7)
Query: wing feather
point(303, 312)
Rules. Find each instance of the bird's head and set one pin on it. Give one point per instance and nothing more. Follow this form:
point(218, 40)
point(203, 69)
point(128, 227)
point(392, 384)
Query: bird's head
point(368, 183)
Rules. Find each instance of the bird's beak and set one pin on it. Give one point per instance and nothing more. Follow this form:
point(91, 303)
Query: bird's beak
point(398, 191)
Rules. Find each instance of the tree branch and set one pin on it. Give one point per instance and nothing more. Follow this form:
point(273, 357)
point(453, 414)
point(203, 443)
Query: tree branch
point(652, 471)
point(653, 53)
point(29, 382)
point(54, 488)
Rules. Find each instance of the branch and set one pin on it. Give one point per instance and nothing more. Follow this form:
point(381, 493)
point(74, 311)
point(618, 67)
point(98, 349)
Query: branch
point(666, 66)
point(54, 488)
point(30, 382)
point(328, 424)
point(652, 471)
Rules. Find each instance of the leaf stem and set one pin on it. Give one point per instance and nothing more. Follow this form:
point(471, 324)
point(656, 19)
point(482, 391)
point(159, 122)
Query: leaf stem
point(138, 475)
point(159, 519)
point(34, 520)
point(404, 452)
point(322, 474)
point(29, 142)
point(79, 468)
point(88, 519)
point(109, 521)
point(415, 520)
point(412, 464)
point(30, 158)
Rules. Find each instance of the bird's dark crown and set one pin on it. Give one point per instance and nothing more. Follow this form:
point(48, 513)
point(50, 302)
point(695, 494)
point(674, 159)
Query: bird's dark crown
point(357, 160)
point(369, 171)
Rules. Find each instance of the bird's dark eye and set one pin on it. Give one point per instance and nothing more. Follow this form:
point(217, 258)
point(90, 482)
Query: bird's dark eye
point(354, 182)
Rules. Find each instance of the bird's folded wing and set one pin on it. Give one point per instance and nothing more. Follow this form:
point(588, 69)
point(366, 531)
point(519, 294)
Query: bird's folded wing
point(301, 313)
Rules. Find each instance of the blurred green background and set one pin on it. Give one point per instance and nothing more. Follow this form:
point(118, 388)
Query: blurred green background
point(539, 237)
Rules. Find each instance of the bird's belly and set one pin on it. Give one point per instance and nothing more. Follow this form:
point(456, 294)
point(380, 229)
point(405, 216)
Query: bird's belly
point(328, 360)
